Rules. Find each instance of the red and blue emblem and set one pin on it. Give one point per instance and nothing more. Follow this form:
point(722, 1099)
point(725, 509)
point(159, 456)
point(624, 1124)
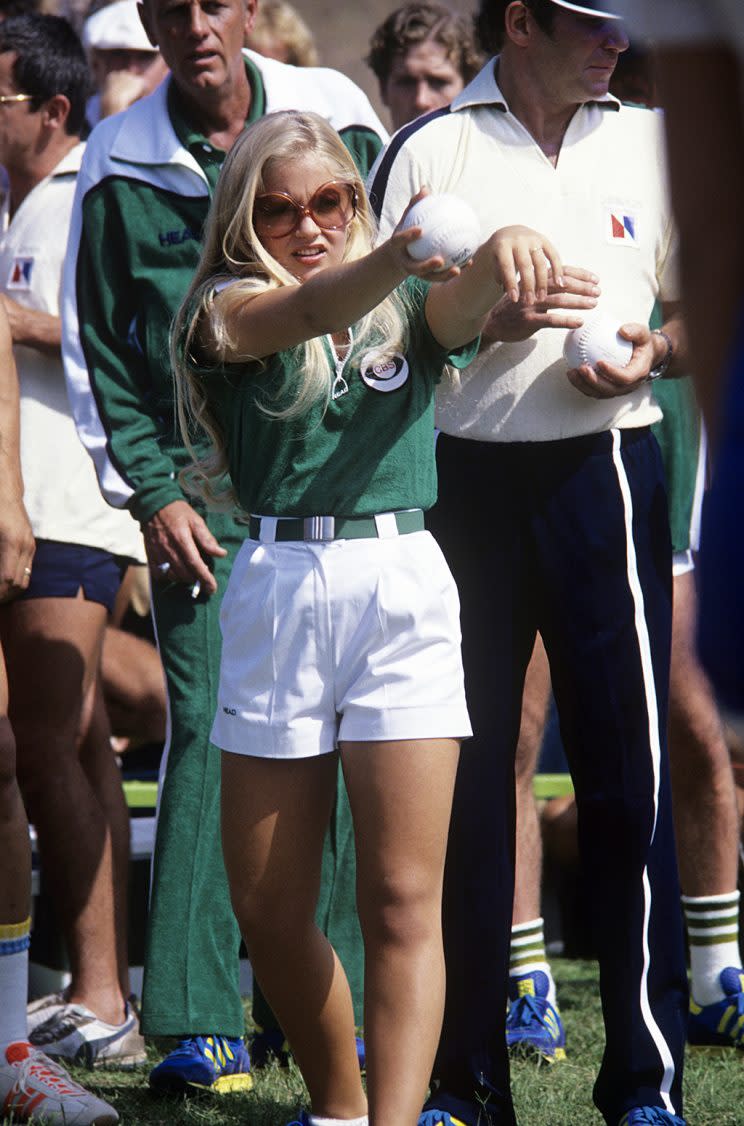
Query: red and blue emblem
point(20, 273)
point(622, 226)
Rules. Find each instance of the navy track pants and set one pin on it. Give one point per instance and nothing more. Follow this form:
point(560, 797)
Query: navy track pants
point(570, 538)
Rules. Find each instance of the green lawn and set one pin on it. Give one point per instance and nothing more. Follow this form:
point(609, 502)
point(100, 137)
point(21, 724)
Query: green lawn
point(545, 1096)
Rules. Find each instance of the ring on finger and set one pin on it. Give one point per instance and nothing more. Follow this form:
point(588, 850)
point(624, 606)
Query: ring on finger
point(164, 568)
point(27, 571)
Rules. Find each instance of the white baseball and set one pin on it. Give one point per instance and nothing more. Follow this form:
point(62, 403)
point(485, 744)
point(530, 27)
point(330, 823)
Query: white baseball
point(597, 339)
point(449, 227)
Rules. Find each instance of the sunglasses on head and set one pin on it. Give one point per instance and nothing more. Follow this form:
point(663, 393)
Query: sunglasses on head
point(332, 207)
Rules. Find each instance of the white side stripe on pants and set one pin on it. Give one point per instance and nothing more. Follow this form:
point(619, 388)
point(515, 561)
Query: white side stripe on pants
point(644, 646)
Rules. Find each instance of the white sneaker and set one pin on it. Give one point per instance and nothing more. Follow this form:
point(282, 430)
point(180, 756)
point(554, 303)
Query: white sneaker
point(43, 1008)
point(74, 1033)
point(32, 1087)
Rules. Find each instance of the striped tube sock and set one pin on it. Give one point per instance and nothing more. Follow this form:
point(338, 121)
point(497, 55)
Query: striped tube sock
point(14, 943)
point(713, 933)
point(527, 953)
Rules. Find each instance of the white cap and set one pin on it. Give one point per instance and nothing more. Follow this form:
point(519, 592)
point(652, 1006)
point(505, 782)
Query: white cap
point(116, 27)
point(588, 8)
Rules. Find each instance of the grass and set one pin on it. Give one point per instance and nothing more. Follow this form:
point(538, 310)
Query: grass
point(545, 1096)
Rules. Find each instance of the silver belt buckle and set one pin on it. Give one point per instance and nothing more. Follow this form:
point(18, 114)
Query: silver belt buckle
point(318, 528)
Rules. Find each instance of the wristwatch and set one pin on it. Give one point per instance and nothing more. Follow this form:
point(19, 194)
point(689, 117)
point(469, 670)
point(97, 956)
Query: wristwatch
point(660, 369)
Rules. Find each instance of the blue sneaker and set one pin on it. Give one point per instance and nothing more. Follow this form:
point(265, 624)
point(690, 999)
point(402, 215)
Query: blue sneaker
point(534, 1026)
point(303, 1120)
point(722, 1023)
point(270, 1043)
point(650, 1116)
point(204, 1063)
point(450, 1110)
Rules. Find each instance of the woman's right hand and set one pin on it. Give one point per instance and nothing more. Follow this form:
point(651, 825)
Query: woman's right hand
point(430, 269)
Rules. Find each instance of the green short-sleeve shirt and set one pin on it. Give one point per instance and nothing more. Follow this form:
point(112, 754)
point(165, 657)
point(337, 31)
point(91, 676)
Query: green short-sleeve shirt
point(370, 449)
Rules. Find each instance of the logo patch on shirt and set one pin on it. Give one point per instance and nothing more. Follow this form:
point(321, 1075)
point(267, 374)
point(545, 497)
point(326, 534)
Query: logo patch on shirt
point(622, 225)
point(384, 373)
point(20, 273)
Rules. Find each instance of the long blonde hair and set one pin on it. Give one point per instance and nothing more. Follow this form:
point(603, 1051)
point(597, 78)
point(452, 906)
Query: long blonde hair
point(233, 253)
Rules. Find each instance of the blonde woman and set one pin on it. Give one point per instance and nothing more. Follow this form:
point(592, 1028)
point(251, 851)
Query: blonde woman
point(309, 361)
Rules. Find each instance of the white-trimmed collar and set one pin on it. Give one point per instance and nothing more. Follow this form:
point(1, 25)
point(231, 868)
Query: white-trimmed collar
point(484, 90)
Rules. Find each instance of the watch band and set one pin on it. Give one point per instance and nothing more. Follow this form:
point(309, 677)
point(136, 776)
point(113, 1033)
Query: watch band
point(660, 369)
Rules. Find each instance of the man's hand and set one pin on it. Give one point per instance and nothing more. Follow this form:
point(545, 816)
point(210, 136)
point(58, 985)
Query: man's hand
point(17, 548)
point(511, 321)
point(607, 381)
point(179, 537)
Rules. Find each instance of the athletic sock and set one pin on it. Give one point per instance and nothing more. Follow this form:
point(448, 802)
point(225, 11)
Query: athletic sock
point(527, 954)
point(315, 1121)
point(14, 943)
point(713, 933)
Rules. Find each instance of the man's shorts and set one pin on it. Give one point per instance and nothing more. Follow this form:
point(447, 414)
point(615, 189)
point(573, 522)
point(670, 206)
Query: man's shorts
point(354, 639)
point(62, 570)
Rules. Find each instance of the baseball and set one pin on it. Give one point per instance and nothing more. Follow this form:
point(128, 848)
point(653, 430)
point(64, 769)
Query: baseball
point(450, 228)
point(597, 339)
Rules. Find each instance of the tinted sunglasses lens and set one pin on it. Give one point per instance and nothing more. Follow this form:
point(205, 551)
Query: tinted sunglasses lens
point(275, 215)
point(333, 206)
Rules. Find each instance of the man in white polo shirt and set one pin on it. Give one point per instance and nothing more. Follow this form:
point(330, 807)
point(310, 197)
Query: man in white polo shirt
point(553, 516)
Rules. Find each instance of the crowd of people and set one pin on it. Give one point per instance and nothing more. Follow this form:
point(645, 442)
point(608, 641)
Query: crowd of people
point(385, 524)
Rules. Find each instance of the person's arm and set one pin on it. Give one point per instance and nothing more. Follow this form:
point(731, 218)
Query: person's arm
point(701, 89)
point(515, 263)
point(122, 416)
point(16, 537)
point(33, 327)
point(330, 301)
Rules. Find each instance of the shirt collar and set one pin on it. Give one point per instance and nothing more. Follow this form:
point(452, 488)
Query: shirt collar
point(484, 90)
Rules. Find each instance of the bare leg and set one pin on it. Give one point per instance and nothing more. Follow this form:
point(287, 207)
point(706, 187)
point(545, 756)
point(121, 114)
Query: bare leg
point(528, 858)
point(99, 763)
point(53, 649)
point(15, 870)
point(274, 817)
point(133, 686)
point(706, 817)
point(401, 799)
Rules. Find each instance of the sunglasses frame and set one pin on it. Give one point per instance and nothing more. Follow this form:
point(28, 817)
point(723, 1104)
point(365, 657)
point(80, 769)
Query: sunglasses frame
point(306, 209)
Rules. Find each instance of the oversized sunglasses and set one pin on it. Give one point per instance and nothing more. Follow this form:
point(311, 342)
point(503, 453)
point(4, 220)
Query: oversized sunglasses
point(332, 207)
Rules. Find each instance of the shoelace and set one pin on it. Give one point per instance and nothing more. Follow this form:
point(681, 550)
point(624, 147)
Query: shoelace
point(61, 1024)
point(187, 1045)
point(535, 1014)
point(37, 1065)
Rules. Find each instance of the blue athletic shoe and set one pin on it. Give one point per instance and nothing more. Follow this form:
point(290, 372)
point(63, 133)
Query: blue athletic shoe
point(534, 1026)
point(303, 1120)
point(722, 1023)
point(270, 1043)
point(204, 1063)
point(449, 1110)
point(650, 1116)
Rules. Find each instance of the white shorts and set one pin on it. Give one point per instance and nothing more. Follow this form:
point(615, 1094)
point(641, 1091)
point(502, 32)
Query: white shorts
point(347, 640)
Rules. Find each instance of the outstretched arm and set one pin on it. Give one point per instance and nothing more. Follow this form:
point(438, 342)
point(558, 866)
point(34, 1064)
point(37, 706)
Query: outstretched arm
point(328, 302)
point(515, 263)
